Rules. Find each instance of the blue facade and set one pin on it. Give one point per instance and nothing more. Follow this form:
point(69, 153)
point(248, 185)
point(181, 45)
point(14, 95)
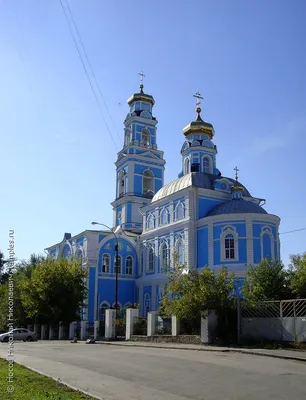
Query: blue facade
point(200, 219)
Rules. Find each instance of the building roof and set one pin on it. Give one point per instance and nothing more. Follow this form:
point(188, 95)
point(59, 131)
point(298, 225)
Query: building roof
point(197, 179)
point(237, 206)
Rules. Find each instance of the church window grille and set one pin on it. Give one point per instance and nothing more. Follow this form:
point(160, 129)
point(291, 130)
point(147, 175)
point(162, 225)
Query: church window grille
point(141, 262)
point(229, 247)
point(145, 137)
point(121, 183)
point(105, 263)
point(151, 260)
point(206, 165)
point(118, 264)
point(147, 304)
point(179, 211)
point(164, 217)
point(150, 222)
point(148, 183)
point(164, 255)
point(129, 265)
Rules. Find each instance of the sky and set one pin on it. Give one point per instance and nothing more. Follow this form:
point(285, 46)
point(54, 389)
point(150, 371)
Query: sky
point(247, 59)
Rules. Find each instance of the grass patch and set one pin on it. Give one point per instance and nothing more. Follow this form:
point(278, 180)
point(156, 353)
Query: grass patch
point(30, 385)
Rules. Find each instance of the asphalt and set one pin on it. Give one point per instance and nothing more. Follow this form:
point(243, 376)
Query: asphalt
point(297, 355)
point(128, 372)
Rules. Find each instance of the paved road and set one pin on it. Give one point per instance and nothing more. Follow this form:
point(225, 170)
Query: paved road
point(130, 373)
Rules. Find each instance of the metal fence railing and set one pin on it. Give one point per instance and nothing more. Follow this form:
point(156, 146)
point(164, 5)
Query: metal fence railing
point(140, 326)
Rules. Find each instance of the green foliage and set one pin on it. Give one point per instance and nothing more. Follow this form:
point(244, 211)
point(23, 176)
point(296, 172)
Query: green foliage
point(267, 281)
point(193, 293)
point(3, 274)
point(297, 271)
point(55, 291)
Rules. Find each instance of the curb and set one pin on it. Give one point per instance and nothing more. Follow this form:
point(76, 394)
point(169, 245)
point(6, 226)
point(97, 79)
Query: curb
point(229, 350)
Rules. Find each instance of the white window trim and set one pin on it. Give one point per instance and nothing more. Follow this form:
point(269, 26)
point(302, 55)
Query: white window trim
point(109, 256)
point(115, 266)
point(147, 224)
point(229, 230)
point(151, 177)
point(266, 230)
point(150, 247)
point(161, 254)
point(129, 257)
point(186, 163)
point(180, 241)
point(207, 157)
point(162, 212)
point(175, 211)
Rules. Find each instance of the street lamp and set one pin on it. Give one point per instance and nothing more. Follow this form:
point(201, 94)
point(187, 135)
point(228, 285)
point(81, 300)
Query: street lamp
point(116, 269)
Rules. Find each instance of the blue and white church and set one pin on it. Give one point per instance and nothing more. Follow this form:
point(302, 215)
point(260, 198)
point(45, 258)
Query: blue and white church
point(200, 219)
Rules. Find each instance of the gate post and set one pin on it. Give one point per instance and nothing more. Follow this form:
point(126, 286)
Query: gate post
point(110, 321)
point(152, 323)
point(96, 328)
point(131, 313)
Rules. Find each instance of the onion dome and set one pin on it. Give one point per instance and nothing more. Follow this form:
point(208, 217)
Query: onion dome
point(199, 126)
point(141, 96)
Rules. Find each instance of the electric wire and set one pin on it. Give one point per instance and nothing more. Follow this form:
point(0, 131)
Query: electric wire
point(90, 66)
point(87, 74)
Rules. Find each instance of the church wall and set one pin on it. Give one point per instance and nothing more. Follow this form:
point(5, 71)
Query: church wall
point(202, 247)
point(91, 293)
point(107, 291)
point(206, 205)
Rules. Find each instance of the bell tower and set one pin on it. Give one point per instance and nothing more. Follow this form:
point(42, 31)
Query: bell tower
point(140, 165)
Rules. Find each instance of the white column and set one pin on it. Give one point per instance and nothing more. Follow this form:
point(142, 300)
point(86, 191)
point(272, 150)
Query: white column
point(152, 323)
point(110, 324)
point(131, 314)
point(61, 331)
point(208, 325)
point(43, 332)
point(71, 330)
point(96, 329)
point(50, 333)
point(83, 330)
point(175, 325)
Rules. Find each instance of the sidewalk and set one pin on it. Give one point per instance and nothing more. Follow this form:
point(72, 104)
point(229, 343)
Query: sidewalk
point(297, 355)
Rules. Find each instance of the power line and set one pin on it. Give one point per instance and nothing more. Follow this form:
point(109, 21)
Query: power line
point(86, 72)
point(295, 230)
point(90, 67)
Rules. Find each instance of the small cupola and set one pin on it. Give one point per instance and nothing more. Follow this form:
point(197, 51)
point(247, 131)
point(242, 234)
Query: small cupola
point(236, 189)
point(199, 126)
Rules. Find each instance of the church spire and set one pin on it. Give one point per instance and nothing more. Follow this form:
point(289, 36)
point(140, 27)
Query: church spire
point(236, 189)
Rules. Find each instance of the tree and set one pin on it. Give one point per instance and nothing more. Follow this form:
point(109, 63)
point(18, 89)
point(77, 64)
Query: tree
point(297, 271)
point(192, 293)
point(267, 281)
point(55, 291)
point(3, 275)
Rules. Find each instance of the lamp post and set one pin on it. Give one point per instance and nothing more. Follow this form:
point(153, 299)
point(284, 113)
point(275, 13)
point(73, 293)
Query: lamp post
point(116, 270)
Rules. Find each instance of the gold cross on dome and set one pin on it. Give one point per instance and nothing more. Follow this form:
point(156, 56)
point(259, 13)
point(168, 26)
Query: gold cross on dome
point(198, 97)
point(141, 74)
point(236, 175)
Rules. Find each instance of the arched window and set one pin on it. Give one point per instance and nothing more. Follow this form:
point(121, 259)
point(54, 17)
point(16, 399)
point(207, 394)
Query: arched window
point(151, 259)
point(229, 243)
point(180, 252)
point(121, 183)
point(148, 182)
point(105, 263)
point(179, 211)
point(150, 222)
point(145, 137)
point(187, 166)
point(79, 255)
point(206, 165)
point(129, 265)
point(164, 255)
point(127, 137)
point(67, 251)
point(267, 243)
point(164, 217)
point(118, 265)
